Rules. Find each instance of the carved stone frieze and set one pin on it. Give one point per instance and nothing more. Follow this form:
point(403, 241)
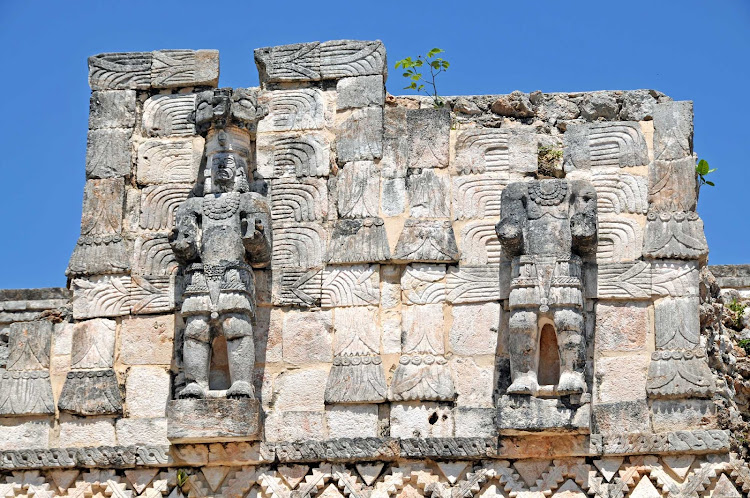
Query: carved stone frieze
point(357, 190)
point(426, 241)
point(496, 151)
point(91, 392)
point(168, 115)
point(359, 134)
point(25, 387)
point(677, 235)
point(679, 374)
point(429, 138)
point(301, 109)
point(356, 285)
point(162, 160)
point(358, 241)
point(606, 144)
point(473, 284)
point(292, 154)
point(117, 71)
point(121, 295)
point(297, 287)
point(184, 68)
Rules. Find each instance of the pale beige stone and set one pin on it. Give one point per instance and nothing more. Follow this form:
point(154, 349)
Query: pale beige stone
point(269, 323)
point(390, 286)
point(91, 431)
point(300, 389)
point(473, 382)
point(146, 340)
point(147, 431)
point(475, 422)
point(295, 426)
point(390, 322)
point(421, 419)
point(62, 340)
point(352, 420)
point(621, 326)
point(147, 391)
point(18, 434)
point(474, 329)
point(621, 378)
point(307, 337)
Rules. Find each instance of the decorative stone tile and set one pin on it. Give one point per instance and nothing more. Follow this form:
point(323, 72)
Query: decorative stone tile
point(162, 160)
point(298, 245)
point(26, 435)
point(292, 154)
point(604, 144)
point(295, 426)
point(684, 414)
point(673, 130)
point(117, 71)
point(429, 194)
point(428, 241)
point(165, 115)
point(677, 322)
point(153, 255)
point(358, 241)
point(93, 344)
point(479, 244)
point(672, 185)
point(297, 287)
point(112, 109)
point(108, 153)
point(423, 284)
point(299, 199)
point(473, 284)
point(146, 341)
point(618, 418)
point(307, 337)
point(429, 137)
point(620, 193)
point(356, 189)
point(356, 285)
point(494, 150)
point(300, 109)
point(359, 134)
point(159, 204)
point(356, 332)
point(121, 295)
point(674, 278)
point(342, 58)
point(90, 392)
point(184, 68)
point(624, 280)
point(477, 196)
point(29, 346)
point(360, 91)
point(675, 236)
point(621, 326)
point(24, 393)
point(295, 62)
point(680, 374)
point(475, 329)
point(395, 143)
point(620, 239)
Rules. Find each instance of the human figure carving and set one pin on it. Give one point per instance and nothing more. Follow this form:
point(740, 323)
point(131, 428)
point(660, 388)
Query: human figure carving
point(546, 226)
point(220, 235)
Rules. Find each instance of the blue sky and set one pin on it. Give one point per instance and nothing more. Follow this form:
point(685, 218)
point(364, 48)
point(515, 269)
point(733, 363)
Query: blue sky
point(689, 49)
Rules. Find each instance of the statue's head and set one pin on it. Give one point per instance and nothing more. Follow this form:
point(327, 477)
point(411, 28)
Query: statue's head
point(227, 150)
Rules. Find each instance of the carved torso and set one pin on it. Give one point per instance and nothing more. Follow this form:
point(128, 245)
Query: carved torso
point(221, 239)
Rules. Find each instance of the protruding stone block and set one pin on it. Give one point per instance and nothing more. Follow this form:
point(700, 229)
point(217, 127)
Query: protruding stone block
point(429, 137)
point(676, 235)
point(120, 71)
point(672, 185)
point(300, 109)
point(168, 115)
point(680, 374)
point(112, 109)
point(427, 241)
point(108, 153)
point(202, 420)
point(184, 68)
point(91, 392)
point(360, 91)
point(673, 130)
point(518, 414)
point(605, 144)
point(497, 151)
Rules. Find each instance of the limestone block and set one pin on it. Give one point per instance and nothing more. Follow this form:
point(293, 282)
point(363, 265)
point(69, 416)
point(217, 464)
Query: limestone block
point(108, 153)
point(423, 284)
point(118, 71)
point(475, 329)
point(359, 134)
point(422, 377)
point(604, 144)
point(619, 193)
point(674, 278)
point(621, 326)
point(112, 109)
point(474, 422)
point(356, 378)
point(29, 345)
point(90, 392)
point(395, 143)
point(307, 337)
point(80, 433)
point(24, 434)
point(153, 255)
point(358, 241)
point(672, 185)
point(267, 330)
point(292, 154)
point(479, 244)
point(393, 196)
point(360, 91)
point(145, 431)
point(429, 137)
point(355, 285)
point(619, 418)
point(121, 295)
point(673, 130)
point(299, 109)
point(516, 104)
point(300, 389)
point(295, 426)
point(213, 419)
point(496, 151)
point(520, 413)
point(352, 421)
point(684, 414)
point(473, 284)
point(623, 280)
point(25, 393)
point(474, 382)
point(429, 194)
point(295, 62)
point(676, 235)
point(342, 58)
point(680, 374)
point(477, 196)
point(299, 199)
point(297, 287)
point(621, 378)
point(620, 239)
point(169, 160)
point(184, 68)
point(146, 341)
point(147, 391)
point(390, 321)
point(63, 343)
point(298, 245)
point(356, 189)
point(638, 105)
point(422, 420)
point(93, 344)
point(168, 115)
point(597, 105)
point(677, 322)
point(427, 241)
point(159, 203)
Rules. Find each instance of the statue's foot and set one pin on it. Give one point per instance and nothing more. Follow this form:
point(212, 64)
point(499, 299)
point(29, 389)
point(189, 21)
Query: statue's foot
point(192, 391)
point(240, 389)
point(571, 383)
point(524, 384)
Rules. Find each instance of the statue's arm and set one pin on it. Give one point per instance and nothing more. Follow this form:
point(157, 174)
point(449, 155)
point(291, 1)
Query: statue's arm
point(184, 236)
point(583, 221)
point(256, 229)
point(512, 219)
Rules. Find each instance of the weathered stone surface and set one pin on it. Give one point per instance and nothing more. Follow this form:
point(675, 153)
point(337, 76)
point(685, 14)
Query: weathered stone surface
point(673, 130)
point(184, 68)
point(108, 153)
point(25, 393)
point(620, 239)
point(520, 414)
point(297, 286)
point(168, 115)
point(516, 105)
point(29, 346)
point(674, 278)
point(300, 109)
point(80, 432)
point(620, 193)
point(473, 284)
point(427, 241)
point(292, 154)
point(300, 390)
point(475, 329)
point(676, 235)
point(307, 337)
point(146, 341)
point(677, 322)
point(479, 244)
point(153, 255)
point(356, 189)
point(474, 380)
point(477, 196)
point(474, 422)
point(295, 62)
point(672, 185)
point(423, 284)
point(683, 414)
point(429, 137)
point(621, 326)
point(169, 160)
point(194, 420)
point(493, 150)
point(25, 436)
point(413, 420)
point(393, 196)
point(596, 145)
point(342, 58)
point(597, 105)
point(356, 285)
point(429, 194)
point(121, 295)
point(624, 280)
point(622, 378)
point(395, 143)
point(616, 418)
point(295, 426)
point(299, 199)
point(298, 245)
point(679, 374)
point(117, 71)
point(159, 204)
point(638, 105)
point(360, 91)
point(359, 134)
point(93, 344)
point(91, 392)
point(358, 241)
point(147, 391)
point(112, 109)
point(352, 421)
point(152, 431)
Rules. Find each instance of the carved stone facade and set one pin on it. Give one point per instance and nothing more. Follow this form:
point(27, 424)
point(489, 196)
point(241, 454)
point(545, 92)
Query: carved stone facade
point(315, 288)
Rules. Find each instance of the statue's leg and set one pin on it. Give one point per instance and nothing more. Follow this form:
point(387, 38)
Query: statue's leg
point(572, 346)
point(196, 356)
point(238, 331)
point(523, 335)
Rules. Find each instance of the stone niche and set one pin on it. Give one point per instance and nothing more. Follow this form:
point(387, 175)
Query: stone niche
point(316, 288)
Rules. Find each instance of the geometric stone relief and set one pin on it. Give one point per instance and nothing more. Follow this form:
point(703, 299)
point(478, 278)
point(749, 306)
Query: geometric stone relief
point(620, 240)
point(153, 255)
point(356, 189)
point(298, 245)
point(624, 280)
point(477, 196)
point(297, 286)
point(677, 323)
point(473, 284)
point(676, 235)
point(493, 150)
point(429, 138)
point(357, 285)
point(620, 193)
point(428, 194)
point(25, 387)
point(359, 134)
point(672, 185)
point(289, 154)
point(427, 241)
point(117, 71)
point(595, 145)
point(358, 241)
point(169, 160)
point(299, 199)
point(91, 392)
point(479, 244)
point(342, 58)
point(165, 115)
point(159, 203)
point(93, 344)
point(301, 109)
point(674, 278)
point(423, 284)
point(679, 374)
point(182, 68)
point(121, 295)
point(29, 346)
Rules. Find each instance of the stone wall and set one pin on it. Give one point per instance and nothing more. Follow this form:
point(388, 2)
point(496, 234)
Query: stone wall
point(385, 323)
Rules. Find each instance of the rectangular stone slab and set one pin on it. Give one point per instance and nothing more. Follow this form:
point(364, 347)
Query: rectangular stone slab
point(201, 420)
point(519, 414)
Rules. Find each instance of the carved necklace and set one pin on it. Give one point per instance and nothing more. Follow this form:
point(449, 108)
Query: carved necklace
point(548, 192)
point(221, 207)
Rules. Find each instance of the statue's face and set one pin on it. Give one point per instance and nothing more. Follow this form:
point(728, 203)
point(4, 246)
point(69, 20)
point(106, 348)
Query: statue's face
point(224, 169)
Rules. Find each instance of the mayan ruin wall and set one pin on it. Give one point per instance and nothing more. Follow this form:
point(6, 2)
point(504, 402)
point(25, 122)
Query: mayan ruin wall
point(316, 289)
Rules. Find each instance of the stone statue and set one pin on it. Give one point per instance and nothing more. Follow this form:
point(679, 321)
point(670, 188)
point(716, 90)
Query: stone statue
point(221, 233)
point(546, 226)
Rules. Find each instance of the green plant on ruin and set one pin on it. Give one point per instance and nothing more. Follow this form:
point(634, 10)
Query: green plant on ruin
point(547, 158)
point(418, 81)
point(745, 344)
point(738, 309)
point(702, 170)
point(181, 480)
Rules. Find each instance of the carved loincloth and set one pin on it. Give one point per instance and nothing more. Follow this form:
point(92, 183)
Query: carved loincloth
point(539, 281)
point(228, 287)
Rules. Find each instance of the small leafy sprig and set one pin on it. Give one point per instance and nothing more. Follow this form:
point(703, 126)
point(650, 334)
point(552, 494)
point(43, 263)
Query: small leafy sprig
point(437, 65)
point(701, 169)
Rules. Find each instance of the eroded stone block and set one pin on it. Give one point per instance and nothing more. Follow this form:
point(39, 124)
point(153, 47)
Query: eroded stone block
point(498, 151)
point(163, 160)
point(360, 91)
point(672, 185)
point(357, 190)
point(358, 241)
point(359, 134)
point(300, 109)
point(621, 326)
point(91, 392)
point(477, 196)
point(423, 284)
point(146, 341)
point(108, 153)
point(295, 62)
point(520, 414)
point(168, 115)
point(112, 109)
point(606, 144)
point(142, 431)
point(307, 337)
point(429, 194)
point(621, 378)
point(413, 420)
point(118, 71)
point(683, 414)
point(352, 421)
point(217, 419)
point(427, 241)
point(473, 284)
point(676, 235)
point(93, 344)
point(673, 130)
point(429, 137)
point(183, 68)
point(617, 418)
point(677, 322)
point(475, 329)
point(292, 154)
point(79, 433)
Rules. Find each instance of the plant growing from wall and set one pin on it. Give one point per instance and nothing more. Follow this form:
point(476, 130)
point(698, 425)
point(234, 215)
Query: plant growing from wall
point(702, 170)
point(548, 157)
point(738, 309)
point(418, 81)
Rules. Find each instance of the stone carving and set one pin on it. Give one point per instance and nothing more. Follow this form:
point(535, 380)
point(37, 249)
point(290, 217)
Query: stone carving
point(428, 194)
point(220, 234)
point(108, 153)
point(90, 392)
point(479, 244)
point(473, 284)
point(423, 284)
point(159, 204)
point(301, 109)
point(493, 150)
point(673, 130)
point(169, 160)
point(674, 278)
point(429, 137)
point(620, 240)
point(121, 295)
point(426, 241)
point(620, 193)
point(296, 62)
point(296, 200)
point(359, 134)
point(677, 323)
point(477, 196)
point(25, 387)
point(297, 287)
point(341, 58)
point(93, 344)
point(298, 245)
point(112, 109)
point(357, 190)
point(676, 235)
point(117, 71)
point(360, 91)
point(183, 68)
point(168, 115)
point(358, 241)
point(624, 280)
point(546, 226)
point(679, 374)
point(529, 414)
point(672, 185)
point(288, 154)
point(357, 285)
point(153, 255)
point(595, 145)
point(195, 419)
